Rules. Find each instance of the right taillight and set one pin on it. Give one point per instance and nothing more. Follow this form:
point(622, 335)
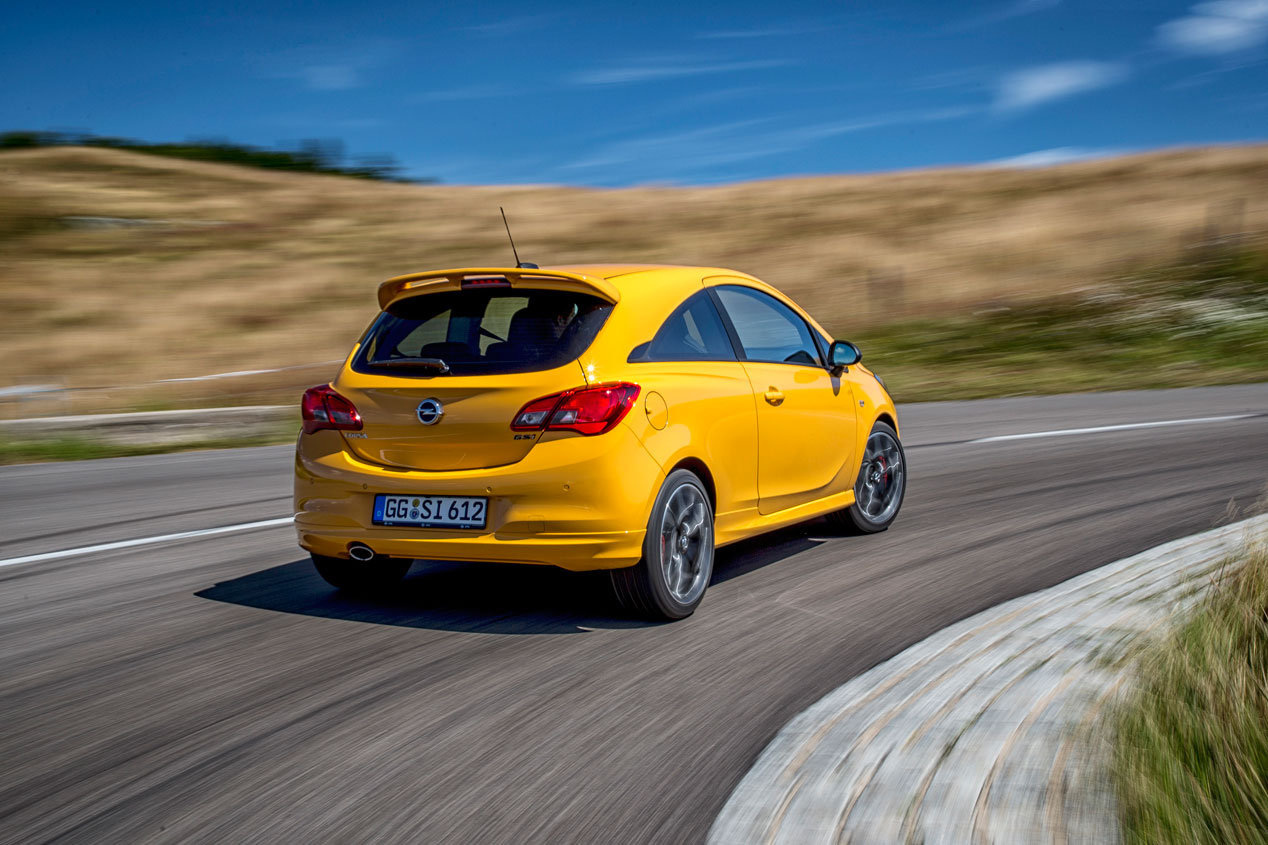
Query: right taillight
point(586, 410)
point(323, 408)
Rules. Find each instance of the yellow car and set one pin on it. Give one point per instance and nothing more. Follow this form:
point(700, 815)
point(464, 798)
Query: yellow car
point(627, 418)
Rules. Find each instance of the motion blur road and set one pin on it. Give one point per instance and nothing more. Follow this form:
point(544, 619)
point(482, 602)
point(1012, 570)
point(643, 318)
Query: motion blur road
point(214, 689)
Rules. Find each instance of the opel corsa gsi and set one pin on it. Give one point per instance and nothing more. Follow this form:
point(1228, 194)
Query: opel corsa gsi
point(627, 418)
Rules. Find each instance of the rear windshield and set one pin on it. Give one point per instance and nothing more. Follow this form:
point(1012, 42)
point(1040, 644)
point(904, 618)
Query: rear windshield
point(481, 332)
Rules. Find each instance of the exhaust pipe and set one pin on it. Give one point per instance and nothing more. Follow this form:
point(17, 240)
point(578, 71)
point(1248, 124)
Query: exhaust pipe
point(361, 552)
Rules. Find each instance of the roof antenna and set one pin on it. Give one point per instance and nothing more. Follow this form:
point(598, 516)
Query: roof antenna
point(524, 264)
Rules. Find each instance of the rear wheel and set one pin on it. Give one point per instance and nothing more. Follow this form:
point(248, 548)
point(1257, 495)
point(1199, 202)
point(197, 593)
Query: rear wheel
point(669, 582)
point(879, 490)
point(365, 577)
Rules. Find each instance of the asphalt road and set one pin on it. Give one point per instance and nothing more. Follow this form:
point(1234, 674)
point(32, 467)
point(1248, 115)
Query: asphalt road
point(214, 689)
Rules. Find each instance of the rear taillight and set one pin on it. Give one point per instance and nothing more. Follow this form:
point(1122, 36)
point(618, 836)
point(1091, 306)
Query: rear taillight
point(325, 409)
point(533, 416)
point(585, 410)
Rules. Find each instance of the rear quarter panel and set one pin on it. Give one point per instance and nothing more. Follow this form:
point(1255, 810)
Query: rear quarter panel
point(701, 410)
point(709, 414)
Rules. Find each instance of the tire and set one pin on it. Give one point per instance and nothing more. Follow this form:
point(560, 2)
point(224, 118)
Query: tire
point(881, 485)
point(362, 577)
point(670, 581)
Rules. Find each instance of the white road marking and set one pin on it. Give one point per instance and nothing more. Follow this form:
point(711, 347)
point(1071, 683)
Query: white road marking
point(269, 523)
point(1065, 432)
point(148, 541)
point(237, 373)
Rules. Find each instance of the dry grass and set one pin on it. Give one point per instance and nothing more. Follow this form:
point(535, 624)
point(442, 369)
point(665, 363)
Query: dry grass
point(287, 272)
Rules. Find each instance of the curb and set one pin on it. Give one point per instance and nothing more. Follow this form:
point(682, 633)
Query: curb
point(979, 733)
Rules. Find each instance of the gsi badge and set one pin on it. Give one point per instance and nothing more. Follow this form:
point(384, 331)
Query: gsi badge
point(430, 411)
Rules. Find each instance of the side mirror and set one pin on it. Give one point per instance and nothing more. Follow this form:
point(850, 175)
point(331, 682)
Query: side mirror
point(843, 354)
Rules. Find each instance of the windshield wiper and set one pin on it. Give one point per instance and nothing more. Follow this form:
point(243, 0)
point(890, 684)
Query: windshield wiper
point(435, 364)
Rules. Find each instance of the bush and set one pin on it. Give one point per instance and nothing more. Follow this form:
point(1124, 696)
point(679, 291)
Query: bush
point(312, 157)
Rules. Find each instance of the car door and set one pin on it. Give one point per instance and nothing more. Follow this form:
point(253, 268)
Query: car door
point(805, 414)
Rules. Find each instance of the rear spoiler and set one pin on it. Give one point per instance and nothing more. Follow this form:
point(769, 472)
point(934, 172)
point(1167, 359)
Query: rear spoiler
point(431, 281)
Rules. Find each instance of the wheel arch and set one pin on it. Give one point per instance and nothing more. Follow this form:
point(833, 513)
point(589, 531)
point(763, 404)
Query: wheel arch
point(702, 472)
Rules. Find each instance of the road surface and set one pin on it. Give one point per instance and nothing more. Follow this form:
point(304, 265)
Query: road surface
point(213, 689)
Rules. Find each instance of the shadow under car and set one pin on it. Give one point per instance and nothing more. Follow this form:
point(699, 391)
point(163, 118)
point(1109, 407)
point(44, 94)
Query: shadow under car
point(485, 597)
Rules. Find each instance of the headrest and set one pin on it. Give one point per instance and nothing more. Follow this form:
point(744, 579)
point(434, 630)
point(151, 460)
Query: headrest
point(530, 327)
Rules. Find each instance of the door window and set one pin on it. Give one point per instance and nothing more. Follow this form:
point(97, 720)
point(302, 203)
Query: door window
point(768, 329)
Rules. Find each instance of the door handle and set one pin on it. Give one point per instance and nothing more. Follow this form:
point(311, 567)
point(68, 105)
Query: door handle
point(774, 397)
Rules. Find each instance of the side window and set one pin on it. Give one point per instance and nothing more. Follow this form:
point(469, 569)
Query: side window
point(694, 332)
point(768, 329)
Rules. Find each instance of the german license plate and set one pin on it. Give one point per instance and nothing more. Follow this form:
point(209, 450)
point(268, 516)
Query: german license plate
point(431, 511)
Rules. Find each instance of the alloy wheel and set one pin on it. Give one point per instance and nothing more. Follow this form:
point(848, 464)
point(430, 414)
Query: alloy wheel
point(686, 544)
point(879, 489)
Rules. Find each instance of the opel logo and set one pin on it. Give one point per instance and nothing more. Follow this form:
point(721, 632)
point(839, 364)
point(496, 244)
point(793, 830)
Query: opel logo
point(430, 411)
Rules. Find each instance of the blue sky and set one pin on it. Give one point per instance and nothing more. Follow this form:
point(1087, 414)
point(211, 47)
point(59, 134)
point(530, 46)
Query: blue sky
point(649, 91)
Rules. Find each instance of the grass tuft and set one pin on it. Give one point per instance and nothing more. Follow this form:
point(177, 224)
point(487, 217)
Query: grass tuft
point(1191, 753)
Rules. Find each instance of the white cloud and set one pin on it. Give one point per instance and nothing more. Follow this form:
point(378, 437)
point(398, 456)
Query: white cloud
point(960, 79)
point(690, 153)
point(693, 145)
point(306, 121)
point(1217, 27)
point(330, 77)
point(1032, 86)
point(653, 70)
point(467, 92)
point(1016, 9)
point(517, 25)
point(1053, 156)
point(327, 68)
point(767, 32)
point(1027, 7)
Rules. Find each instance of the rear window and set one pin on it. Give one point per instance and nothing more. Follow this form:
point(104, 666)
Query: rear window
point(481, 332)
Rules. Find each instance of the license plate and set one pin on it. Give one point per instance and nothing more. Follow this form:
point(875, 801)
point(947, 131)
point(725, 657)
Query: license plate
point(431, 511)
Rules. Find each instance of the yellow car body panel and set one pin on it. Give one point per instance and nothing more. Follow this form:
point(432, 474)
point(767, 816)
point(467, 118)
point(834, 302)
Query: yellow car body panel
point(541, 509)
point(805, 434)
point(583, 502)
point(556, 278)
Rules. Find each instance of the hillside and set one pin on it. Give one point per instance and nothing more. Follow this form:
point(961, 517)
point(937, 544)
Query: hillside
point(118, 268)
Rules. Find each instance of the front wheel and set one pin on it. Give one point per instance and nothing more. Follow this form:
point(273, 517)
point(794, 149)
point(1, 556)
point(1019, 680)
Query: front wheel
point(669, 582)
point(882, 482)
point(361, 577)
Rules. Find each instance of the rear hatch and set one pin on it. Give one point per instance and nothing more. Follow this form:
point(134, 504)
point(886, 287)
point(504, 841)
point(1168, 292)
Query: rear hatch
point(441, 374)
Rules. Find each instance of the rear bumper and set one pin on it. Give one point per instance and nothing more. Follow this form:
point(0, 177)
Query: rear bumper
point(576, 502)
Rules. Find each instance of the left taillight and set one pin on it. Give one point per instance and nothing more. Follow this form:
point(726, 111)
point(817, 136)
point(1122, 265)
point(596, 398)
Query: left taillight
point(323, 408)
point(586, 410)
